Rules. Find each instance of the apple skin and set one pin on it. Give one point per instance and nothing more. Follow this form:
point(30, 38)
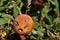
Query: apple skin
point(23, 24)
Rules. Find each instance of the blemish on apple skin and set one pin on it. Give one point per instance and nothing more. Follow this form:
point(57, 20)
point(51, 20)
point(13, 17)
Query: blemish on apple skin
point(15, 23)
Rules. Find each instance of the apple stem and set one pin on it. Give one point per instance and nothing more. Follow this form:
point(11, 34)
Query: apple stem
point(20, 13)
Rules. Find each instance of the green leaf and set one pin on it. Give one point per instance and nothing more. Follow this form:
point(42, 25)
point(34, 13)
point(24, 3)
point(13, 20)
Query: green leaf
point(52, 1)
point(41, 31)
point(29, 2)
point(15, 11)
point(4, 4)
point(2, 21)
point(12, 32)
point(45, 10)
point(21, 4)
point(2, 8)
point(36, 25)
point(6, 16)
point(56, 6)
point(58, 25)
point(55, 2)
point(49, 19)
point(32, 36)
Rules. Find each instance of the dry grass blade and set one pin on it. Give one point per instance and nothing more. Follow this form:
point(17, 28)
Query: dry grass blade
point(52, 36)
